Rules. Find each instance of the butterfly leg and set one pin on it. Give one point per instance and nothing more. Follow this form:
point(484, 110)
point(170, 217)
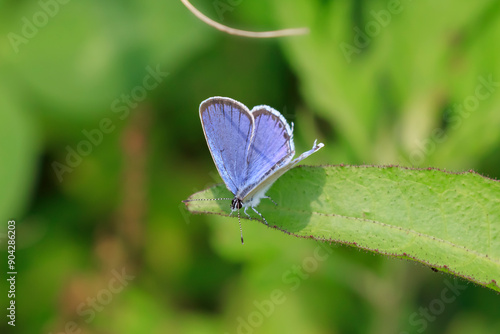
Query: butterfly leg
point(245, 211)
point(264, 219)
point(271, 200)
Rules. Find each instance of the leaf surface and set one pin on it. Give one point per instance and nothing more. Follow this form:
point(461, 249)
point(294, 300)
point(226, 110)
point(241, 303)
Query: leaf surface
point(445, 220)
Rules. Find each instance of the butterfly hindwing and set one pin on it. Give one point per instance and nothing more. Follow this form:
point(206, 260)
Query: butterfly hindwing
point(271, 146)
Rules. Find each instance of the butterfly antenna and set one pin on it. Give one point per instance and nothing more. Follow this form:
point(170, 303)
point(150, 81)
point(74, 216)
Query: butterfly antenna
point(205, 199)
point(218, 199)
point(241, 231)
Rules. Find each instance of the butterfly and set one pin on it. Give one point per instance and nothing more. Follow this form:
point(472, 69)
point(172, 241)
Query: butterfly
point(251, 149)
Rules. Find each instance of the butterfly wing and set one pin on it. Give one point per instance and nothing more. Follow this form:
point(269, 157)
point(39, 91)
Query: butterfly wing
point(271, 147)
point(228, 126)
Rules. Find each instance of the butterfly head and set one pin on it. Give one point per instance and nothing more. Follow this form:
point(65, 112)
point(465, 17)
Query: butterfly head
point(236, 204)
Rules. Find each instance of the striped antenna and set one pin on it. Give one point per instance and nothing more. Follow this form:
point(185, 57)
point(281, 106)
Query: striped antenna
point(241, 231)
point(205, 199)
point(220, 199)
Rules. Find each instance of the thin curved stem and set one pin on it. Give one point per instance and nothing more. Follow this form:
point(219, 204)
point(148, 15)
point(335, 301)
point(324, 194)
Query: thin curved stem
point(244, 33)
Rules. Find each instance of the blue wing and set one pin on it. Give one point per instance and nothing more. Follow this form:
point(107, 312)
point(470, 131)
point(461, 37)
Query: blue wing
point(271, 147)
point(228, 126)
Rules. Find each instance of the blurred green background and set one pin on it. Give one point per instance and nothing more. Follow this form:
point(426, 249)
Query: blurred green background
point(101, 141)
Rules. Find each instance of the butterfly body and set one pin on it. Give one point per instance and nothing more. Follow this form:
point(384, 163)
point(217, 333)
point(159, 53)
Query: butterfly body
point(251, 148)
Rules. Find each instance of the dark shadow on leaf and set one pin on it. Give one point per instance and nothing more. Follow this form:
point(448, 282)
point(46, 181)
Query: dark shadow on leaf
point(293, 192)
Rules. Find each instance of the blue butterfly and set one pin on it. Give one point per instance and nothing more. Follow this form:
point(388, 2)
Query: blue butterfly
point(251, 148)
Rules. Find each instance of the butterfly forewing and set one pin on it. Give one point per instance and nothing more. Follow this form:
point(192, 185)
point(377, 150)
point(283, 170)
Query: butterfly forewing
point(270, 149)
point(228, 125)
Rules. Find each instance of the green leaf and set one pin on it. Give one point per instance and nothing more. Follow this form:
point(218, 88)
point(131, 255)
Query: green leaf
point(448, 221)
